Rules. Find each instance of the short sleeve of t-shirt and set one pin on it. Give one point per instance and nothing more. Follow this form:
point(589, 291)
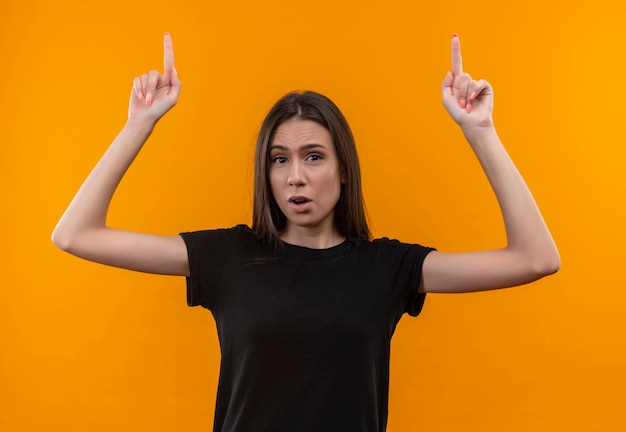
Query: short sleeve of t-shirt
point(404, 263)
point(210, 252)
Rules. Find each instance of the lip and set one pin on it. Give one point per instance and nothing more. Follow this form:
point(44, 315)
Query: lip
point(299, 203)
point(296, 199)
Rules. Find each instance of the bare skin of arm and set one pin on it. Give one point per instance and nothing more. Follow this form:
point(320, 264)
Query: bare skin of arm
point(82, 229)
point(530, 252)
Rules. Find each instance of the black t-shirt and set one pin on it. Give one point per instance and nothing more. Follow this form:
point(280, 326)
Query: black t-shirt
point(304, 333)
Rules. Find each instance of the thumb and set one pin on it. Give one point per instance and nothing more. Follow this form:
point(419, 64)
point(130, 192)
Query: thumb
point(174, 78)
point(447, 81)
point(175, 84)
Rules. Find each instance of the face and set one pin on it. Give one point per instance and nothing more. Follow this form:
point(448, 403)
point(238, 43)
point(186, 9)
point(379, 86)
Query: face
point(304, 175)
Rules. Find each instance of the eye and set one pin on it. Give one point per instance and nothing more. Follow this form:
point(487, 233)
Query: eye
point(279, 160)
point(314, 157)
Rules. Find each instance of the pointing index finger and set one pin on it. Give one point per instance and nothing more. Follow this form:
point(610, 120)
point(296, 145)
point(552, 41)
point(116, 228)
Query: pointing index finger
point(457, 62)
point(168, 56)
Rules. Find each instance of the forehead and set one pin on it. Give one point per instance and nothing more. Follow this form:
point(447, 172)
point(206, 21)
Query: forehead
point(298, 131)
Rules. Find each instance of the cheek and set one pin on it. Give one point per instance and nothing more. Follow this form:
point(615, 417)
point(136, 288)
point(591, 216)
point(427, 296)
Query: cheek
point(275, 188)
point(334, 184)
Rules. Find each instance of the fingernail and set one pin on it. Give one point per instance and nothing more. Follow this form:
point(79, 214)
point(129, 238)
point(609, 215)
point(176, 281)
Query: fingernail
point(462, 103)
point(468, 108)
point(149, 99)
point(473, 96)
point(455, 35)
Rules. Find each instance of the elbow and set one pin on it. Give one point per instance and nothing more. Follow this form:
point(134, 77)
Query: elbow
point(62, 239)
point(549, 267)
point(59, 240)
point(553, 262)
point(548, 264)
point(556, 264)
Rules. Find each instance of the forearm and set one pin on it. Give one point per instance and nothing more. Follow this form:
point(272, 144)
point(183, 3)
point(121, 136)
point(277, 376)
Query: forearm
point(526, 231)
point(90, 205)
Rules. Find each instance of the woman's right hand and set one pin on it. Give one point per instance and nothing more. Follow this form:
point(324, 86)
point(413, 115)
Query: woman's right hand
point(154, 94)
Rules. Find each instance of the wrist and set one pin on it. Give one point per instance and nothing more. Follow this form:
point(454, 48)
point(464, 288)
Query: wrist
point(479, 133)
point(140, 125)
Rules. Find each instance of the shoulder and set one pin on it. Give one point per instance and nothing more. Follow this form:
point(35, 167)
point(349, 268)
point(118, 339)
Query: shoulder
point(238, 242)
point(389, 245)
point(233, 233)
point(221, 238)
point(391, 251)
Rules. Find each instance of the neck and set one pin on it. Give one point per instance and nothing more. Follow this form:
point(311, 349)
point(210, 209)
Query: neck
point(311, 237)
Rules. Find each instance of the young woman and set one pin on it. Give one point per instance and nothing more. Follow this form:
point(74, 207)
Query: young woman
point(305, 301)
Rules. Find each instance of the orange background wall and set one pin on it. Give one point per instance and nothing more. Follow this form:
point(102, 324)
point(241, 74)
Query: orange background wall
point(87, 347)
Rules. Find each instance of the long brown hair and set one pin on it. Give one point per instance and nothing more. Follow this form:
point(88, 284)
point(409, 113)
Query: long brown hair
point(350, 219)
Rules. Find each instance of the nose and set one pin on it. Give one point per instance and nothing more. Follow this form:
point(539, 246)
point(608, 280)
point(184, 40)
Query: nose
point(295, 175)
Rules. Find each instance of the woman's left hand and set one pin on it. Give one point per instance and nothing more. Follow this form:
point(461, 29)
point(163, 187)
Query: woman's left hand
point(469, 102)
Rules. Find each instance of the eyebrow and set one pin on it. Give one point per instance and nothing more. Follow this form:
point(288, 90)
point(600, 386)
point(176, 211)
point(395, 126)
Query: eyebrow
point(304, 147)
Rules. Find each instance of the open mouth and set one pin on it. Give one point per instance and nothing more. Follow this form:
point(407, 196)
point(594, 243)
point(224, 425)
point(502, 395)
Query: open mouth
point(299, 200)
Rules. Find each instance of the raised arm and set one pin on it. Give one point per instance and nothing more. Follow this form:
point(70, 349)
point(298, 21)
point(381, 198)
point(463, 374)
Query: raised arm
point(82, 229)
point(530, 252)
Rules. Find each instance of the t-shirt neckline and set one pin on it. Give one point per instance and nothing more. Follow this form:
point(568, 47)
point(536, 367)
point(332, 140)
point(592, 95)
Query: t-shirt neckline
point(336, 251)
